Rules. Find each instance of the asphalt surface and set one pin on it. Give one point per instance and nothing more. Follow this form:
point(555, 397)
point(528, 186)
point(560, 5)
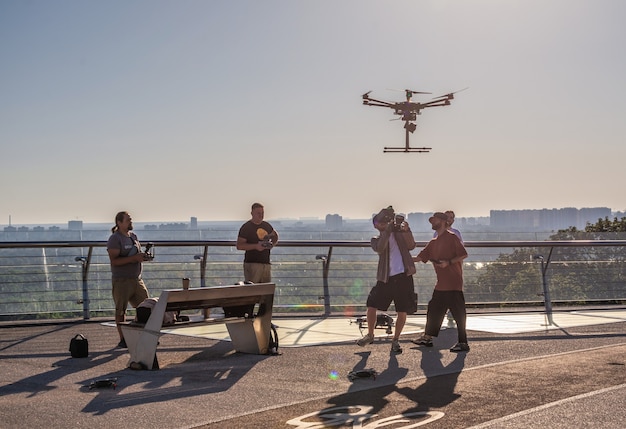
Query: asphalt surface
point(574, 377)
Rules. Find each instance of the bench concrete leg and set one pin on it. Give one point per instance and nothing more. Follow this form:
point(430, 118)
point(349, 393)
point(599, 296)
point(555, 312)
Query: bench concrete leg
point(250, 335)
point(142, 345)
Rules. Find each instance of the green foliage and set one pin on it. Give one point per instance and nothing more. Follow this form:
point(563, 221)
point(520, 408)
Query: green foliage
point(524, 286)
point(574, 273)
point(603, 229)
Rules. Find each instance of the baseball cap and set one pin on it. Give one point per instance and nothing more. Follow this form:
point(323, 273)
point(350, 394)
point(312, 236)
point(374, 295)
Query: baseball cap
point(438, 215)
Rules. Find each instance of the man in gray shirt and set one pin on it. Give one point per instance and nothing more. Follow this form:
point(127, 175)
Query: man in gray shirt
point(126, 264)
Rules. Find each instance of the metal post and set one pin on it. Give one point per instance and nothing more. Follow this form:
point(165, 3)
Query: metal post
point(546, 292)
point(202, 259)
point(85, 273)
point(325, 269)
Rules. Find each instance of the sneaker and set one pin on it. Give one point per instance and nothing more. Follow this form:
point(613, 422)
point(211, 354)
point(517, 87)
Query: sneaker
point(460, 347)
point(423, 341)
point(122, 344)
point(395, 346)
point(367, 339)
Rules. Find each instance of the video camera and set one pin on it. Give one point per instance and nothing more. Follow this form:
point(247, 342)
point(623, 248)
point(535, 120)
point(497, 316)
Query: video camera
point(388, 216)
point(149, 252)
point(267, 242)
point(398, 220)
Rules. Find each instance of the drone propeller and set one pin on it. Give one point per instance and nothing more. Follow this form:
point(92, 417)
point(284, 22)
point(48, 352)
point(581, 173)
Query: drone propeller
point(450, 95)
point(416, 92)
point(408, 90)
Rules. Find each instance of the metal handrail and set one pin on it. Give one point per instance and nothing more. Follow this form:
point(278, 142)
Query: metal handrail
point(313, 243)
point(324, 258)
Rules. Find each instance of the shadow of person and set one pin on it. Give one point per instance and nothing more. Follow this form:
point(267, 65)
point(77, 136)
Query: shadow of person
point(45, 381)
point(439, 388)
point(222, 369)
point(366, 396)
point(361, 365)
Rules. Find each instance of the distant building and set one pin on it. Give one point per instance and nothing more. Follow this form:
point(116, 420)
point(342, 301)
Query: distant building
point(592, 215)
point(75, 225)
point(334, 221)
point(546, 219)
point(177, 226)
point(419, 221)
point(193, 222)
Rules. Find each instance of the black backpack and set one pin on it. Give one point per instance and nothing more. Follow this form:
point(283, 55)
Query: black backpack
point(273, 344)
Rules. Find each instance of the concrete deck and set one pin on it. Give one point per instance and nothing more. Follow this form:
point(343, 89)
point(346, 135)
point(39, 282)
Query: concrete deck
point(520, 372)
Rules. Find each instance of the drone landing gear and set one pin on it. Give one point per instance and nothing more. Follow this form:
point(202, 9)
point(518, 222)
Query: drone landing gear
point(409, 127)
point(383, 321)
point(407, 149)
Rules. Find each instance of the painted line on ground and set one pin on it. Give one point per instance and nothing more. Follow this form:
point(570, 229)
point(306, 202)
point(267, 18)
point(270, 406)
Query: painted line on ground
point(410, 379)
point(490, 423)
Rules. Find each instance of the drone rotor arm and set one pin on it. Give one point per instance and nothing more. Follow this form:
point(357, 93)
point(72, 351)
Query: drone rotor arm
point(449, 96)
point(379, 103)
point(437, 103)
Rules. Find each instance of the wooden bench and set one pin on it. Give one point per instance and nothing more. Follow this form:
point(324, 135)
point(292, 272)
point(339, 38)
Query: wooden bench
point(248, 334)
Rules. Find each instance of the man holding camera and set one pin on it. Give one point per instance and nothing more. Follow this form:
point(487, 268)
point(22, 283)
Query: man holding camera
point(257, 238)
point(394, 278)
point(126, 259)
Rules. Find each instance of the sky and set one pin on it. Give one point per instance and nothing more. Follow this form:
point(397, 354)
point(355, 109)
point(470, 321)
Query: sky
point(174, 109)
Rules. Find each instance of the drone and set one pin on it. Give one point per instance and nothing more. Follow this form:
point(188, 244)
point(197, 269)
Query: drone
point(408, 111)
point(383, 321)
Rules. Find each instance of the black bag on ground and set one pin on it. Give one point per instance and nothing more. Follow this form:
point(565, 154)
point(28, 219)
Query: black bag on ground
point(79, 346)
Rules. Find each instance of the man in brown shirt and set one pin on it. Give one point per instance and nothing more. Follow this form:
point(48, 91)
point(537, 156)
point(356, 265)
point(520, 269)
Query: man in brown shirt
point(447, 253)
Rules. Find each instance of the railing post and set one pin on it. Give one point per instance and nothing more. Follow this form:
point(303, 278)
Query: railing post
point(325, 269)
point(85, 261)
point(546, 292)
point(202, 259)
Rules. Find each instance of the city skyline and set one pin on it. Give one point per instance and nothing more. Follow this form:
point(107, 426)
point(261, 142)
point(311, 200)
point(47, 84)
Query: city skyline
point(570, 215)
point(178, 109)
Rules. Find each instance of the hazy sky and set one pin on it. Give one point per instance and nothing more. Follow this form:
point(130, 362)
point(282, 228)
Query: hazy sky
point(172, 109)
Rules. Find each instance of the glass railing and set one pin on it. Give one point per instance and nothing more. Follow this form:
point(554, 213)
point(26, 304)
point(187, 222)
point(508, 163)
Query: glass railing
point(71, 279)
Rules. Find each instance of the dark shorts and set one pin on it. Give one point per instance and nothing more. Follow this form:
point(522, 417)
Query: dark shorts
point(399, 289)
